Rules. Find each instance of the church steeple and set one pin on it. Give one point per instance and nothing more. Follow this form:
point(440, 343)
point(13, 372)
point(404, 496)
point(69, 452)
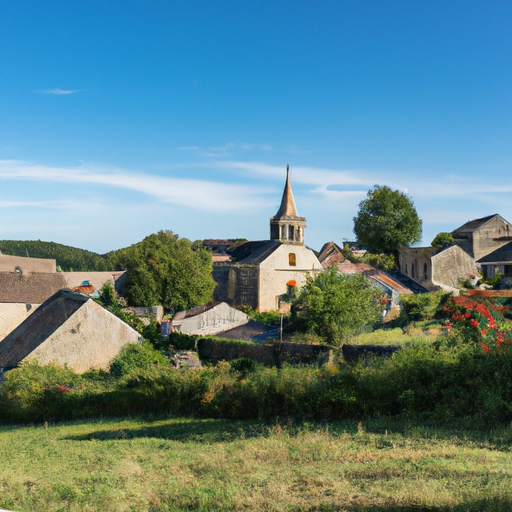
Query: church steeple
point(286, 226)
point(287, 208)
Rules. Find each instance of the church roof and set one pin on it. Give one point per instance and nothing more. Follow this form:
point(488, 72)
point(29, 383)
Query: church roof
point(287, 208)
point(253, 253)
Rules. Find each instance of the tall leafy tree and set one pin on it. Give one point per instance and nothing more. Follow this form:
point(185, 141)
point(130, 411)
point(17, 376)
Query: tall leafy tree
point(168, 270)
point(387, 220)
point(442, 238)
point(337, 306)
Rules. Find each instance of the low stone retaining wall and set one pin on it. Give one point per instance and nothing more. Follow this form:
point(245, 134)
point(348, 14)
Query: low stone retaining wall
point(352, 353)
point(268, 354)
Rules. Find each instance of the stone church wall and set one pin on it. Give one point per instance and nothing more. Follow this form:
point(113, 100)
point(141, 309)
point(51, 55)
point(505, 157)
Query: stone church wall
point(243, 286)
point(220, 274)
point(415, 262)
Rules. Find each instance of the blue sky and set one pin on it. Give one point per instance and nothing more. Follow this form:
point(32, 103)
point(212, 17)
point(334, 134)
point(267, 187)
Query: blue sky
point(118, 119)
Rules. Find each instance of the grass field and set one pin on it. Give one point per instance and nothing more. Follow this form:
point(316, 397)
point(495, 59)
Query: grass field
point(385, 337)
point(187, 464)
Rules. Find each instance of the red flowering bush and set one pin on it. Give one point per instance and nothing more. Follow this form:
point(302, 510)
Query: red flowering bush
point(478, 320)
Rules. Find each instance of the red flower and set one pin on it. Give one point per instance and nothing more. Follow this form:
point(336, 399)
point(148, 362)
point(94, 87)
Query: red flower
point(485, 348)
point(474, 322)
point(292, 282)
point(484, 331)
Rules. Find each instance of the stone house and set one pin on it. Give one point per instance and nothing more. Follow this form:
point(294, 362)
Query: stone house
point(208, 319)
point(498, 262)
point(68, 329)
point(22, 293)
point(480, 237)
point(437, 268)
point(258, 274)
point(442, 267)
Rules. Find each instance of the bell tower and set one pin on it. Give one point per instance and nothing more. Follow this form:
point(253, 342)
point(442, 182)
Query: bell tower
point(286, 226)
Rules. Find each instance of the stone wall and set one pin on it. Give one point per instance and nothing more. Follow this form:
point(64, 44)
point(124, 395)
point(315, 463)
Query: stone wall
point(220, 274)
point(416, 263)
point(273, 354)
point(277, 270)
point(90, 338)
point(243, 289)
point(11, 315)
point(483, 237)
point(221, 317)
point(451, 265)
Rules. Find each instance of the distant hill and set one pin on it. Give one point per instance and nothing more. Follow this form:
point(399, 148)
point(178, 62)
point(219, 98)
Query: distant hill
point(73, 259)
point(68, 258)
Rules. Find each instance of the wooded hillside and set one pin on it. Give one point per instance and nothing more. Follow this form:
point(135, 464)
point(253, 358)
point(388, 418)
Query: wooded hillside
point(68, 258)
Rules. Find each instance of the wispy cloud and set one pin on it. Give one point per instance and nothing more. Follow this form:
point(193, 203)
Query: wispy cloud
point(60, 92)
point(225, 151)
point(199, 194)
point(38, 204)
point(261, 147)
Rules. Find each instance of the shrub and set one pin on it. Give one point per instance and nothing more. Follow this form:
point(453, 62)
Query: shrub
point(136, 356)
point(421, 306)
point(478, 320)
point(244, 365)
point(181, 341)
point(34, 393)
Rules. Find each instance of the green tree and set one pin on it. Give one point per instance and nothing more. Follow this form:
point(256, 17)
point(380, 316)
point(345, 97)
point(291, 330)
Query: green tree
point(442, 238)
point(386, 221)
point(337, 306)
point(168, 270)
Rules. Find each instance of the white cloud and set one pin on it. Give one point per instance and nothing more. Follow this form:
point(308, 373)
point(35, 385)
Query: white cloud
point(199, 194)
point(60, 92)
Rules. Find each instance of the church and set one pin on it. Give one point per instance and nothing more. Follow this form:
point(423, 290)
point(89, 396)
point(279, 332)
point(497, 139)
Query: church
point(264, 274)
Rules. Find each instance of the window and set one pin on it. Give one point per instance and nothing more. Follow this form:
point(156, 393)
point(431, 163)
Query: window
point(425, 271)
point(291, 259)
point(290, 233)
point(412, 271)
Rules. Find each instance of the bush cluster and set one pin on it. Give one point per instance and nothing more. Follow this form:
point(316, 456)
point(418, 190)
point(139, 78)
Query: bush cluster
point(420, 380)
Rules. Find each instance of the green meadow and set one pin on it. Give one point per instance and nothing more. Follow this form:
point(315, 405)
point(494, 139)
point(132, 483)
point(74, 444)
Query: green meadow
point(177, 464)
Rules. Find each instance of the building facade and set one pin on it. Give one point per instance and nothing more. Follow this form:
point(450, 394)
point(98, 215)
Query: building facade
point(260, 274)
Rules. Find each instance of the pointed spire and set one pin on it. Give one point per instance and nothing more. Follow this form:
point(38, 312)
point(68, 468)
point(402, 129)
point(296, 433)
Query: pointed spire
point(287, 208)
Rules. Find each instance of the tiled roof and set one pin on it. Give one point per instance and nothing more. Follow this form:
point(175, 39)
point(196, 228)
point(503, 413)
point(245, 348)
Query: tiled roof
point(86, 289)
point(392, 283)
point(29, 288)
point(354, 268)
point(407, 282)
point(501, 255)
point(330, 253)
point(472, 225)
point(198, 310)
